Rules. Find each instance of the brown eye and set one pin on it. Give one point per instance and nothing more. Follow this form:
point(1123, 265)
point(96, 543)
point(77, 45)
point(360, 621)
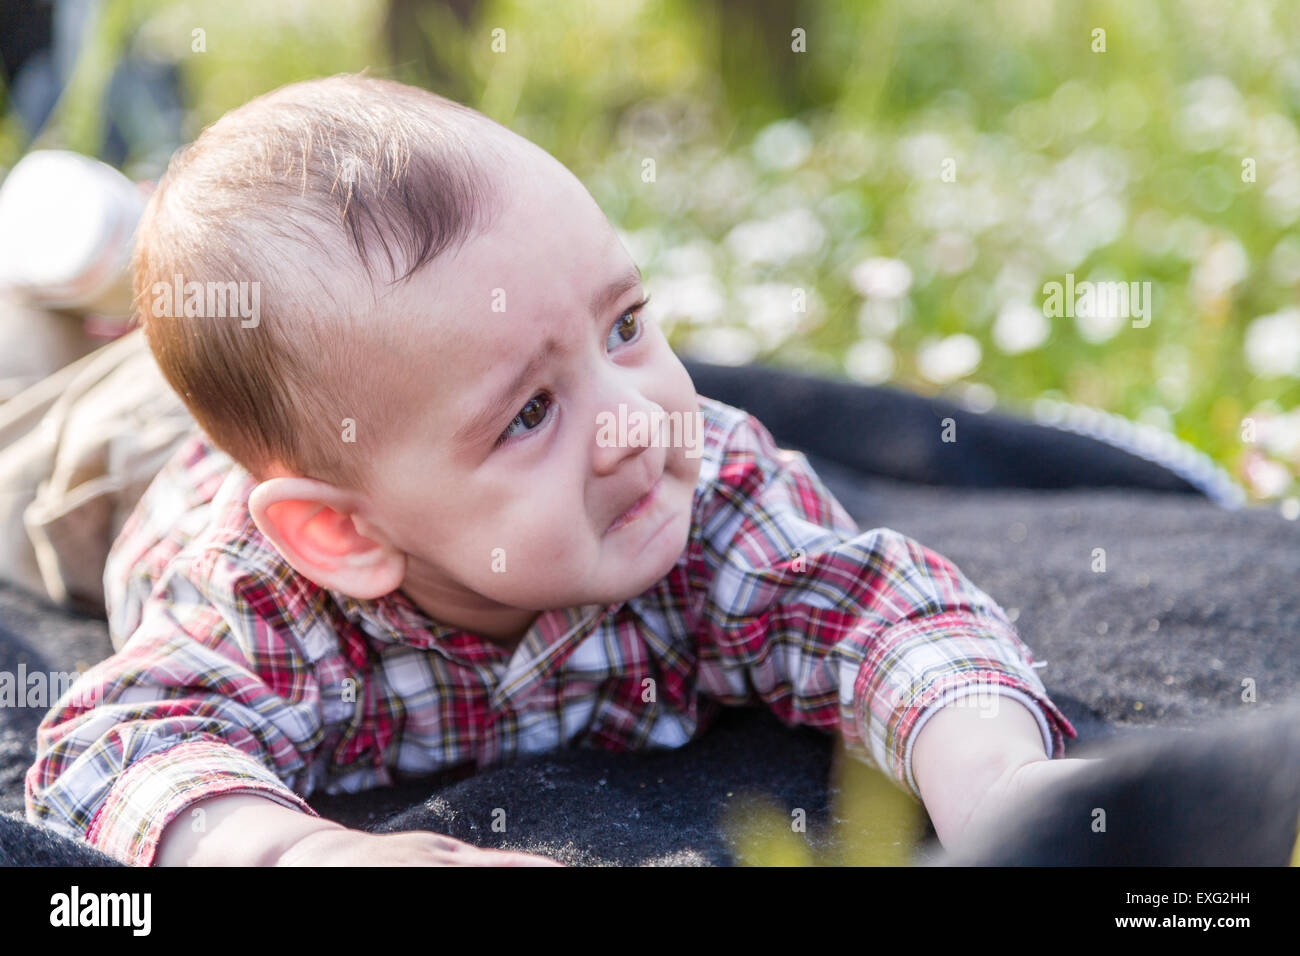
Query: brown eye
point(533, 413)
point(530, 416)
point(627, 327)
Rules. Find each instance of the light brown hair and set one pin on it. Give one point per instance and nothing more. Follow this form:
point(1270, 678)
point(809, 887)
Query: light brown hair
point(313, 190)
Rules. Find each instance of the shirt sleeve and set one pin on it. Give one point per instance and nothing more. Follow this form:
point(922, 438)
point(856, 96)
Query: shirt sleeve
point(867, 633)
point(213, 693)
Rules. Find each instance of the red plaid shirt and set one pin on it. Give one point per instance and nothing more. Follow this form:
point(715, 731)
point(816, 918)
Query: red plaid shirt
point(235, 674)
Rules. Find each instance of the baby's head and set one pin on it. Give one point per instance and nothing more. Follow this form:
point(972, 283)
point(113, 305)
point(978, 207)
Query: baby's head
point(445, 321)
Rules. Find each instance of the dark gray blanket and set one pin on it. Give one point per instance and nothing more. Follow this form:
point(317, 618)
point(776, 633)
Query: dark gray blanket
point(1147, 658)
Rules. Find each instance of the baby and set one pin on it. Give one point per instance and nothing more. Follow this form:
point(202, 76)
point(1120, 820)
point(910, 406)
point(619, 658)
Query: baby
point(408, 538)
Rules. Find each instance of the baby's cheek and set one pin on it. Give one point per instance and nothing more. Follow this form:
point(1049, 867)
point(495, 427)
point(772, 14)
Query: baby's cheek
point(559, 547)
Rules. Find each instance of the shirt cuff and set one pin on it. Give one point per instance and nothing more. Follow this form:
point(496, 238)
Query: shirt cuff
point(149, 794)
point(923, 664)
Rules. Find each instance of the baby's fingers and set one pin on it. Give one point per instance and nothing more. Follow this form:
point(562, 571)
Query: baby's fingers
point(513, 858)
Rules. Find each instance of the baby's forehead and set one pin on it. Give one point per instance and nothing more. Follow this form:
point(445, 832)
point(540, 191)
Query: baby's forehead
point(474, 316)
point(451, 370)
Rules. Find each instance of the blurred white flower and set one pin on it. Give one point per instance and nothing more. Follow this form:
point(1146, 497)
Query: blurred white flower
point(1279, 434)
point(724, 190)
point(937, 206)
point(1050, 407)
point(978, 397)
point(880, 317)
point(776, 241)
point(984, 208)
point(869, 361)
point(1079, 204)
point(1156, 417)
point(1282, 196)
point(1191, 237)
point(1075, 107)
point(844, 212)
point(696, 298)
point(1172, 366)
point(1016, 280)
point(1267, 478)
point(1067, 245)
point(784, 144)
point(1221, 266)
point(882, 278)
point(1275, 134)
point(849, 153)
point(1019, 328)
point(1104, 315)
point(810, 185)
point(923, 153)
point(1212, 112)
point(951, 252)
point(948, 359)
point(647, 127)
point(1284, 261)
point(642, 244)
point(769, 309)
point(1103, 220)
point(1272, 343)
point(1092, 171)
point(722, 345)
point(689, 258)
point(1153, 231)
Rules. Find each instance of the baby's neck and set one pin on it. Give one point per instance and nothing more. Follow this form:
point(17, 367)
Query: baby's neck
point(507, 641)
point(503, 627)
point(452, 606)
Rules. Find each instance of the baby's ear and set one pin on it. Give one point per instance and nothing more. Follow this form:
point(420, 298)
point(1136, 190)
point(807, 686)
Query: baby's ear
point(310, 523)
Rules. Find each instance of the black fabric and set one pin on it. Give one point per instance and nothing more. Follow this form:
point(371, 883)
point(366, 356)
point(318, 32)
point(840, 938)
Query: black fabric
point(1193, 600)
point(23, 844)
point(888, 433)
point(1228, 795)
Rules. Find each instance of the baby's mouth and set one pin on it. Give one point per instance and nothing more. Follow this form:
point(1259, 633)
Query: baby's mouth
point(638, 508)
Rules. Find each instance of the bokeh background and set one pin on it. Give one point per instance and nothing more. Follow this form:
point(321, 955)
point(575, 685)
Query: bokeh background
point(817, 175)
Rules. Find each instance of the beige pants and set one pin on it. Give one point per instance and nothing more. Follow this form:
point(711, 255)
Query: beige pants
point(77, 450)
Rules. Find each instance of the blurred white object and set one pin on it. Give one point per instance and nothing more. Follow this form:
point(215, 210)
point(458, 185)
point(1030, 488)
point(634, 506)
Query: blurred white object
point(35, 343)
point(66, 227)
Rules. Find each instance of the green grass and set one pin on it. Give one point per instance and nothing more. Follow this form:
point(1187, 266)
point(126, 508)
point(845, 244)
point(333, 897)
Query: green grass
point(872, 823)
point(1124, 164)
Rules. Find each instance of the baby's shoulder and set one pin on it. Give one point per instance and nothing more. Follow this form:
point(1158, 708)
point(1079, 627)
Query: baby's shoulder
point(735, 446)
point(730, 431)
point(192, 534)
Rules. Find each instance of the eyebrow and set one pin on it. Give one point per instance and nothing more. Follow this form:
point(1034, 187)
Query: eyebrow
point(606, 299)
point(491, 412)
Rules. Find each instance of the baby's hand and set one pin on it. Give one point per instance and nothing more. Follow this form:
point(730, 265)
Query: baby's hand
point(1025, 782)
point(1031, 778)
point(342, 847)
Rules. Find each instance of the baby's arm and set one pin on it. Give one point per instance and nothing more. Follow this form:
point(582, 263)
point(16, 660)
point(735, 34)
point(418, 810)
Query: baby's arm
point(968, 761)
point(869, 633)
point(248, 830)
point(239, 829)
point(216, 702)
point(963, 751)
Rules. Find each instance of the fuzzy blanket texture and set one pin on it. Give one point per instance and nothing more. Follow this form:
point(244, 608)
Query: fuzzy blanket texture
point(1151, 660)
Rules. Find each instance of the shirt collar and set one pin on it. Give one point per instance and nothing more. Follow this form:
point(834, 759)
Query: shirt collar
point(552, 636)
